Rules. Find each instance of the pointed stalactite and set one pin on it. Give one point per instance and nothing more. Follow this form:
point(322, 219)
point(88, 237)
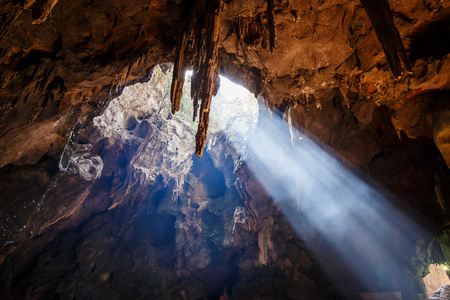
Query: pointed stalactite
point(194, 93)
point(176, 90)
point(258, 30)
point(382, 19)
point(271, 24)
point(252, 31)
point(205, 82)
point(199, 49)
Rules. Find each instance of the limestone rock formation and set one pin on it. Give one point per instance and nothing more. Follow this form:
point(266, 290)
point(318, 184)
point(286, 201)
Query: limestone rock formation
point(100, 193)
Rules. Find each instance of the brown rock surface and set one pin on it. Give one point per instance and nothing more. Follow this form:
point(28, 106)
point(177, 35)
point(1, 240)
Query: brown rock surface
point(120, 212)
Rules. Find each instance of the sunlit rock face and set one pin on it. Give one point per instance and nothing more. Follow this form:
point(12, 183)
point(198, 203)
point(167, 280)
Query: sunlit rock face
point(141, 117)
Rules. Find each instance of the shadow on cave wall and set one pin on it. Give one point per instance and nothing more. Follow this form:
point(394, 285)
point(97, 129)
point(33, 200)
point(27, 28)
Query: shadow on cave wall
point(212, 178)
point(432, 39)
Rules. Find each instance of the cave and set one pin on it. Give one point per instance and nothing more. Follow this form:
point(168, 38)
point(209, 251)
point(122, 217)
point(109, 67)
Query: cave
point(224, 149)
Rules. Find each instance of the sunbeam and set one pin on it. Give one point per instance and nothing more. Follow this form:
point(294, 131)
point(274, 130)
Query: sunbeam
point(353, 223)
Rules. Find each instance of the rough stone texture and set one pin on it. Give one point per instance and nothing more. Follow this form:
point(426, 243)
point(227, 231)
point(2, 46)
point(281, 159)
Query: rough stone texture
point(435, 279)
point(114, 232)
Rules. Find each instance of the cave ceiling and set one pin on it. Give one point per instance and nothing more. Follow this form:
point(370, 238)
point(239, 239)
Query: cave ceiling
point(322, 58)
point(367, 79)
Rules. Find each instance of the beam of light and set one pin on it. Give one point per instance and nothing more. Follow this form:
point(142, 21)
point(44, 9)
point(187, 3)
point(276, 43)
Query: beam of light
point(344, 221)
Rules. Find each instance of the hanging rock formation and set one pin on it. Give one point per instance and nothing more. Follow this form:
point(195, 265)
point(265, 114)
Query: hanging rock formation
point(382, 19)
point(203, 32)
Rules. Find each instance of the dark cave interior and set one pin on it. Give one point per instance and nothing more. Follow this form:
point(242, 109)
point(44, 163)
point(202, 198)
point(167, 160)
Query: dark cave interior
point(129, 169)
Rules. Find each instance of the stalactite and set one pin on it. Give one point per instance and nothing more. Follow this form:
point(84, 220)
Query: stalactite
point(206, 66)
point(176, 90)
point(194, 89)
point(271, 25)
point(382, 19)
point(200, 43)
point(257, 31)
point(198, 48)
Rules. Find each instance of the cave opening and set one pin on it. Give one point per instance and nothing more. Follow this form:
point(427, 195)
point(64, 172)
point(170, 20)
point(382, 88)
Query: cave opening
point(190, 202)
point(259, 183)
point(223, 219)
point(322, 196)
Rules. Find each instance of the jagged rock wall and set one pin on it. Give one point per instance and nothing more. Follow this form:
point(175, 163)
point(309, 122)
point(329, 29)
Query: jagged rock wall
point(63, 62)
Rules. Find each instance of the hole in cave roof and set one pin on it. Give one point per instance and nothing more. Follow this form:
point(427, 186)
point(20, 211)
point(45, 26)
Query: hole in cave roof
point(233, 109)
point(142, 115)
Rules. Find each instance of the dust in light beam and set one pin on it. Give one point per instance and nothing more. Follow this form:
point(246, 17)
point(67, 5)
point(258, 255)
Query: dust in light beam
point(351, 226)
